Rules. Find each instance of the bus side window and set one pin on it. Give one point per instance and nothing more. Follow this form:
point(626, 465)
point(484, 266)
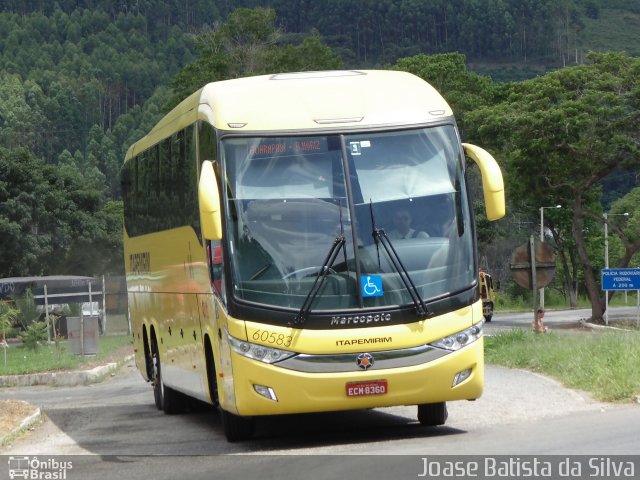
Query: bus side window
point(216, 265)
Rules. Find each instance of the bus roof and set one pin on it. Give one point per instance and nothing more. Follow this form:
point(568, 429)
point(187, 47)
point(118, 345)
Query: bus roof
point(289, 102)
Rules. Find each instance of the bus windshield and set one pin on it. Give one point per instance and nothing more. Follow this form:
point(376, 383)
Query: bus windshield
point(288, 200)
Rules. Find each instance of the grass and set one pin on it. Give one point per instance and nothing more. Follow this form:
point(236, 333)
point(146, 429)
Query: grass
point(51, 358)
point(604, 364)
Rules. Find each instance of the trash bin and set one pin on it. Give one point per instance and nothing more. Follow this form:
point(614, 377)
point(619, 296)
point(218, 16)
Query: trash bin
point(90, 333)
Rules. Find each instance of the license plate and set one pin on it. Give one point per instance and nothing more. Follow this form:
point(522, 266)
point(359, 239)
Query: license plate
point(368, 388)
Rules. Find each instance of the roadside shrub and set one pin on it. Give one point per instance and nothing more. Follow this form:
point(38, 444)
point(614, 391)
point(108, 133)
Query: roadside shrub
point(27, 310)
point(8, 315)
point(34, 334)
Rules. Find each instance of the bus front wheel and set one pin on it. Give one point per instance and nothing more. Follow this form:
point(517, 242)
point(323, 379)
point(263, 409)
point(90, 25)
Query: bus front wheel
point(236, 428)
point(432, 414)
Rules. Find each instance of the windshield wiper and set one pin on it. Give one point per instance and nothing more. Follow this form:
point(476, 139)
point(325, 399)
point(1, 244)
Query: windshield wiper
point(338, 243)
point(379, 236)
point(421, 308)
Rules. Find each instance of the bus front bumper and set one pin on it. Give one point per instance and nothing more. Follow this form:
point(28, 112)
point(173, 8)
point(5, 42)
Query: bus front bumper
point(285, 391)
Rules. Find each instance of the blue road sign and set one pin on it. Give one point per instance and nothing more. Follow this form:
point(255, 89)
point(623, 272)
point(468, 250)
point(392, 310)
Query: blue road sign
point(621, 279)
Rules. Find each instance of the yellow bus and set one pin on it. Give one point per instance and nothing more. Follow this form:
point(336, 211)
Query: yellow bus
point(305, 242)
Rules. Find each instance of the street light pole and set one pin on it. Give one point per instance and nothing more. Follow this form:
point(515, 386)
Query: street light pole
point(606, 259)
point(542, 241)
point(606, 241)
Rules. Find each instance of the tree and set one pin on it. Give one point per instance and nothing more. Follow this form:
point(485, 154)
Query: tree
point(465, 91)
point(448, 73)
point(98, 250)
point(233, 49)
point(53, 219)
point(21, 116)
point(561, 135)
point(311, 54)
point(626, 225)
point(69, 65)
point(559, 224)
point(8, 316)
point(34, 335)
point(247, 44)
point(27, 310)
point(22, 192)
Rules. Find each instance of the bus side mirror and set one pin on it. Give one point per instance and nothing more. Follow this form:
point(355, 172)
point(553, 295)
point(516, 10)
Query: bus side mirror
point(209, 200)
point(492, 183)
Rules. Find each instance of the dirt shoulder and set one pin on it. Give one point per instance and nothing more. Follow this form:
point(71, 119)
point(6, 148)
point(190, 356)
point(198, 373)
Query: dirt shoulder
point(13, 414)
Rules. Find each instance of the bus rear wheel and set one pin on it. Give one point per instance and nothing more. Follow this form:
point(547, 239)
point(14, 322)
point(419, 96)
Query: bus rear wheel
point(236, 428)
point(432, 414)
point(174, 401)
point(156, 380)
point(166, 398)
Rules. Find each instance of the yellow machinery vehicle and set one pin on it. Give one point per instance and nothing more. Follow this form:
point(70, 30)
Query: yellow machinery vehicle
point(304, 243)
point(487, 294)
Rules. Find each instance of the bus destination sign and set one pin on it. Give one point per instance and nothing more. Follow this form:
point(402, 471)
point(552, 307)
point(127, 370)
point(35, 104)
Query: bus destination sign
point(284, 146)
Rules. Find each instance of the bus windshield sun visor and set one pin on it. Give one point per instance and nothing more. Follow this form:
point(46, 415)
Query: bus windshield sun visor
point(322, 273)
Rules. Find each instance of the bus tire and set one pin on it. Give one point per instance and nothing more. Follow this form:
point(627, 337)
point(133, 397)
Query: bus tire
point(211, 373)
point(174, 401)
point(169, 400)
point(236, 428)
point(156, 380)
point(432, 414)
point(166, 398)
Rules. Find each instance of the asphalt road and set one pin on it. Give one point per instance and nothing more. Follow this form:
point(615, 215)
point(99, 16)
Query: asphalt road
point(559, 318)
point(117, 431)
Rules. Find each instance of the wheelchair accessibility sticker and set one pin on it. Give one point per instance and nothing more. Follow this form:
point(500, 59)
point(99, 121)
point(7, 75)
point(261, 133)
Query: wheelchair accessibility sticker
point(371, 286)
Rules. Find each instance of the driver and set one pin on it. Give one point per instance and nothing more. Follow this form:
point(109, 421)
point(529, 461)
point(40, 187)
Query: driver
point(402, 223)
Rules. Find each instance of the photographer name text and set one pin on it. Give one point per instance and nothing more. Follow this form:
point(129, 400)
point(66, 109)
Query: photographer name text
point(517, 467)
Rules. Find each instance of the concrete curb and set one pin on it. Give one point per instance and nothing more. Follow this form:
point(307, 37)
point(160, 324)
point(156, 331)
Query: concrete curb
point(594, 326)
point(66, 379)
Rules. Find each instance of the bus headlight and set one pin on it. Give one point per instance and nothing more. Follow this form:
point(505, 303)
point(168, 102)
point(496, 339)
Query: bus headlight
point(461, 339)
point(257, 352)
